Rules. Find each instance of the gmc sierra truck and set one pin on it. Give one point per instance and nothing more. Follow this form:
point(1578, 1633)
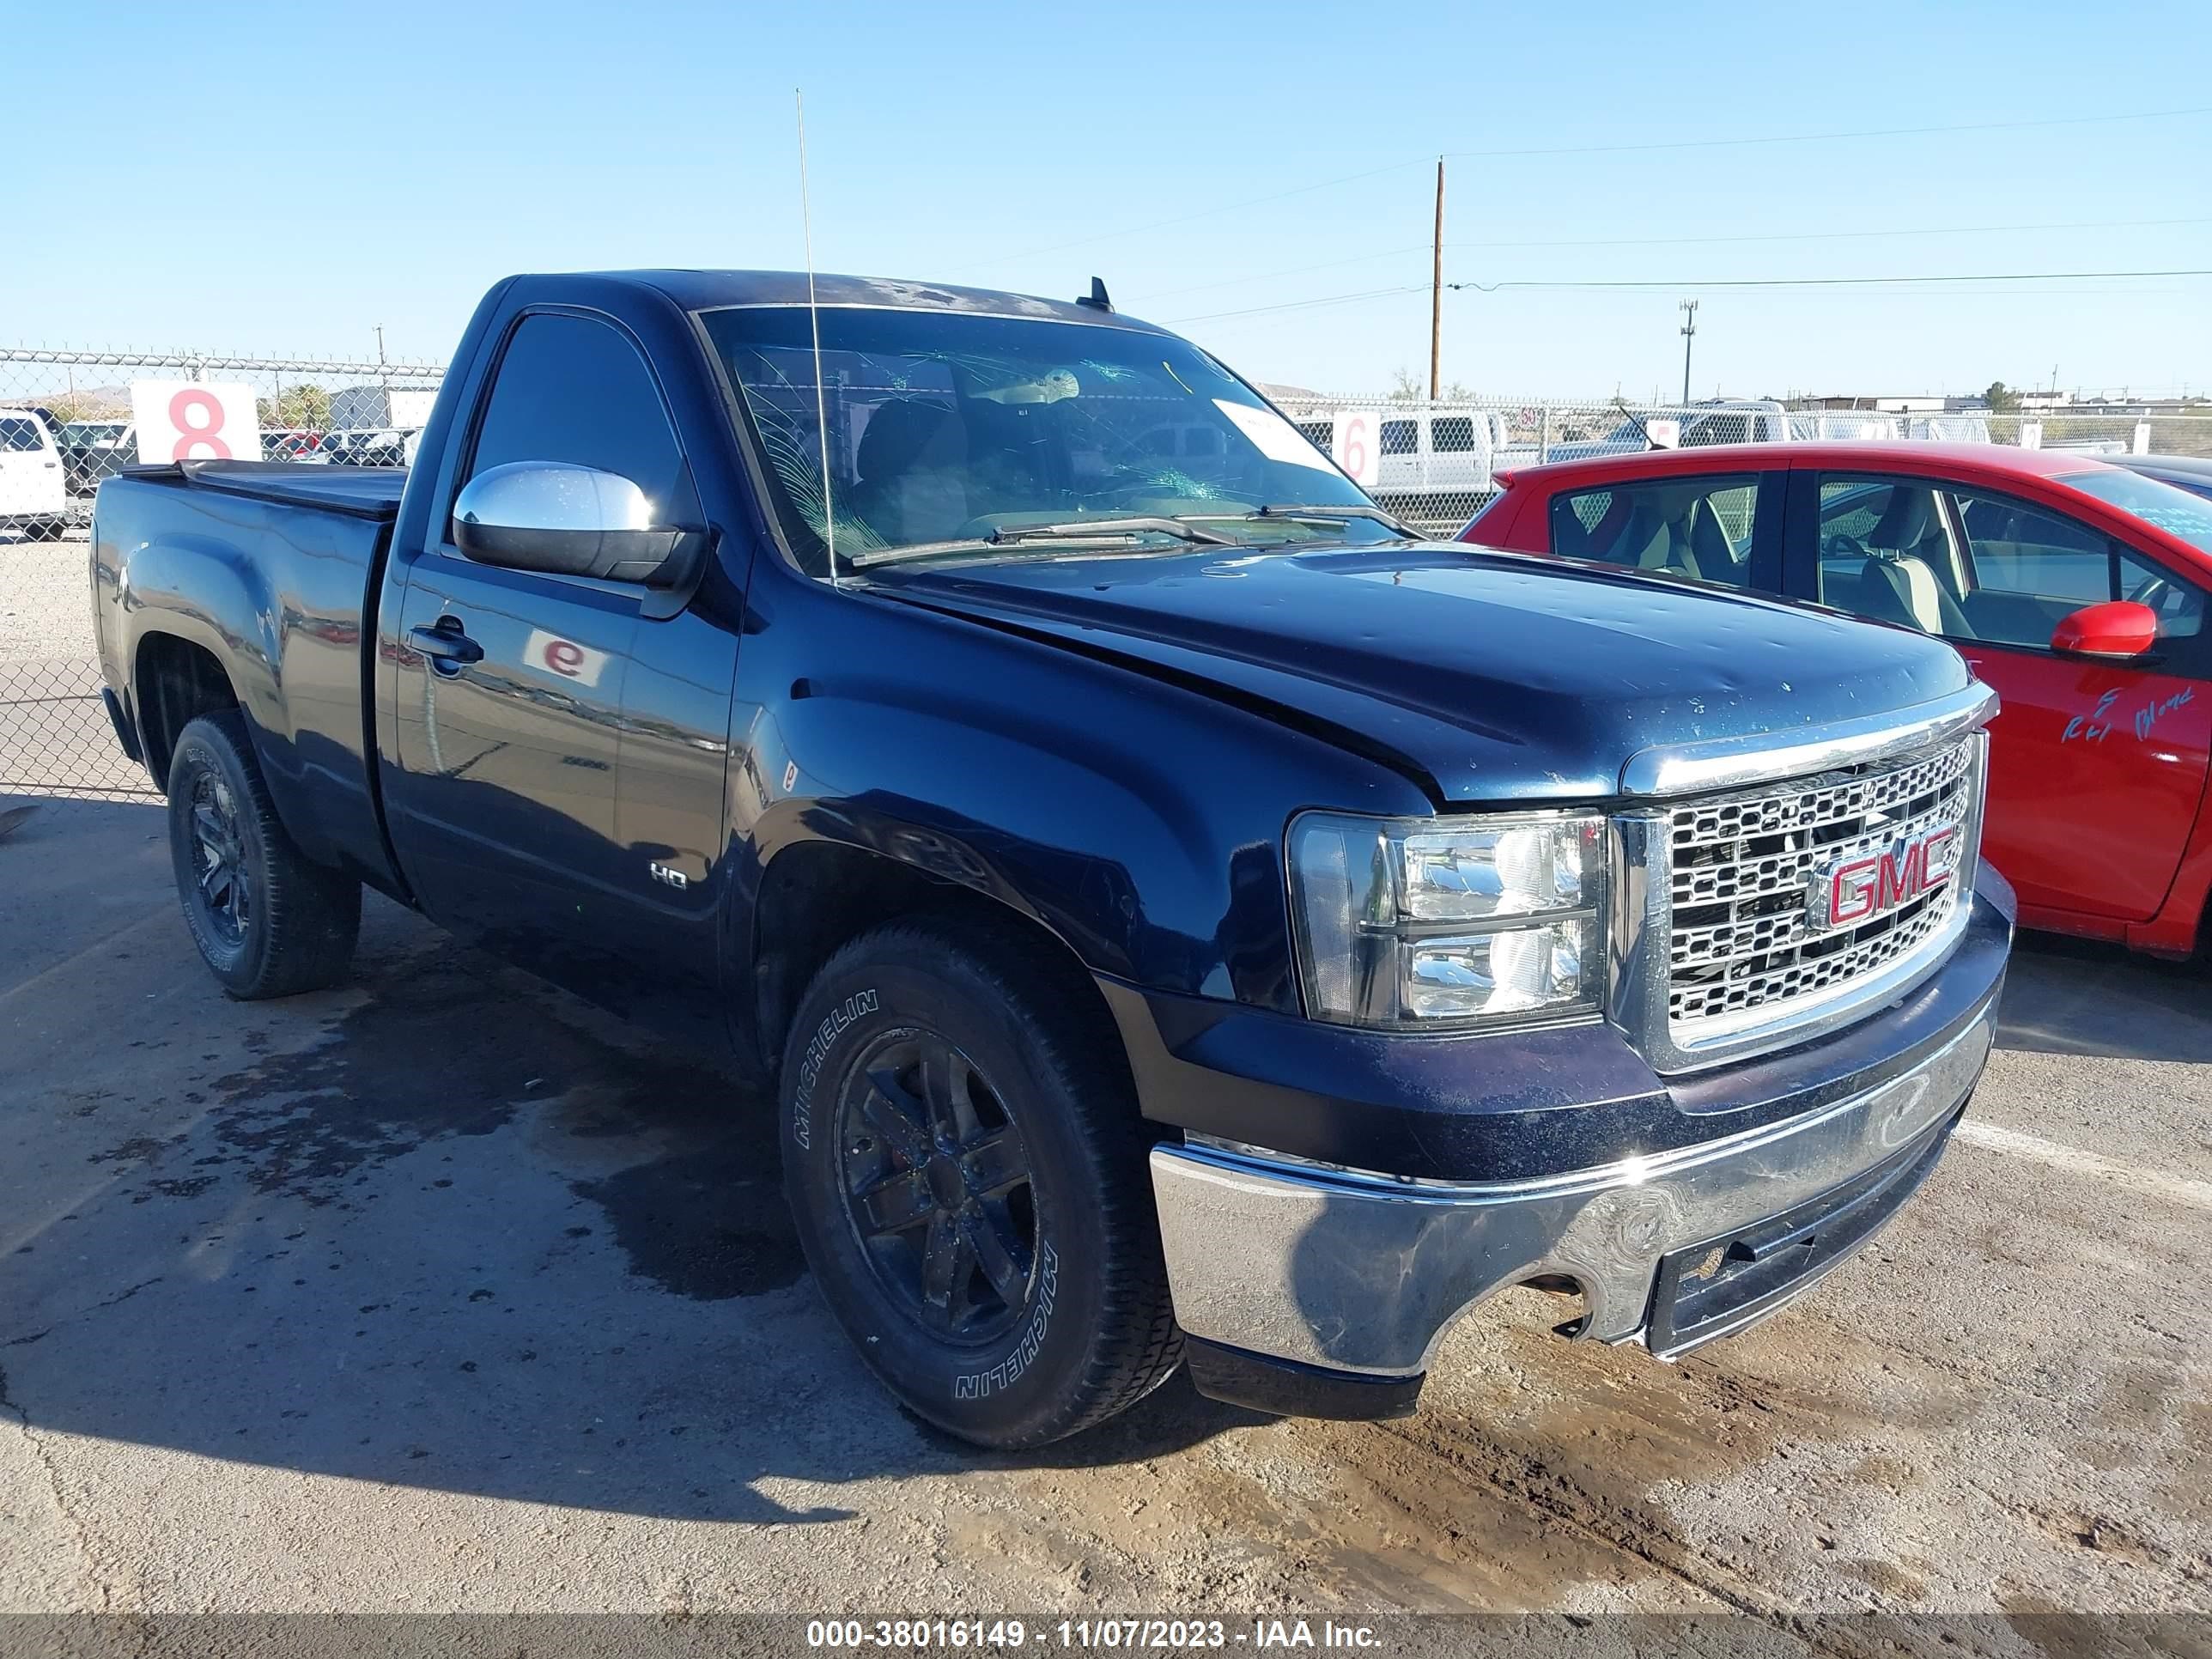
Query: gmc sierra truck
point(1180, 916)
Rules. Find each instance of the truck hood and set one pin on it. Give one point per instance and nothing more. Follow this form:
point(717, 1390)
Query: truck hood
point(1487, 676)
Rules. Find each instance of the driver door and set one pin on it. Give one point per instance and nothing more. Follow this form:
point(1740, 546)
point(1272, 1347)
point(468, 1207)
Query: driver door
point(542, 725)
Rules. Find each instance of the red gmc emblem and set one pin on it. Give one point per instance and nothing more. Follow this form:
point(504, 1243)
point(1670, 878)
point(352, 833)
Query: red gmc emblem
point(1870, 884)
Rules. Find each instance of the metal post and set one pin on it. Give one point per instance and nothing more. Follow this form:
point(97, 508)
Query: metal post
point(1689, 309)
point(1436, 295)
point(1544, 434)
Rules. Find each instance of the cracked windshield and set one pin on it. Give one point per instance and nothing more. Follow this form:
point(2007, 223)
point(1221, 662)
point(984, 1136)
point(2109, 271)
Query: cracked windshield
point(956, 435)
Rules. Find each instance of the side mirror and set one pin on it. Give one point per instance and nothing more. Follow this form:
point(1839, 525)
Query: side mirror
point(572, 521)
point(2118, 630)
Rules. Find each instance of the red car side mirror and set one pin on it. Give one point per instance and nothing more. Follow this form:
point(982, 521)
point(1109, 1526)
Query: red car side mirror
point(2119, 628)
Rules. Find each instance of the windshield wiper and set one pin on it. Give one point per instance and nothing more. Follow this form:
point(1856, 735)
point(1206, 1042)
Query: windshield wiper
point(1104, 533)
point(1337, 513)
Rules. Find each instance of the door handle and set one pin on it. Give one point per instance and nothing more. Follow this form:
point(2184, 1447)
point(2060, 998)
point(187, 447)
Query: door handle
point(445, 644)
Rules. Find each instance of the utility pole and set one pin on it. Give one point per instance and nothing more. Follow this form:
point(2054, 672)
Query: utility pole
point(1689, 309)
point(1437, 296)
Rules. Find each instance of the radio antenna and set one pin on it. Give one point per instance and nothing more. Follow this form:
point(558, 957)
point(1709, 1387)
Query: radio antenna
point(814, 317)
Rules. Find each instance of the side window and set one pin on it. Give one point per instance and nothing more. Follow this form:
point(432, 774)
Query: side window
point(2020, 548)
point(1398, 438)
point(2029, 566)
point(571, 389)
point(1696, 527)
point(19, 434)
point(1452, 435)
point(1886, 553)
point(1728, 427)
point(2180, 607)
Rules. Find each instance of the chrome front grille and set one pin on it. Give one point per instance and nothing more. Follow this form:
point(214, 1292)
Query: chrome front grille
point(1741, 942)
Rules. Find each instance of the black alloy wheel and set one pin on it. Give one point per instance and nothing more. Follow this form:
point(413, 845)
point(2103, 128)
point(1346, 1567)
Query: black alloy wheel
point(937, 1186)
point(223, 886)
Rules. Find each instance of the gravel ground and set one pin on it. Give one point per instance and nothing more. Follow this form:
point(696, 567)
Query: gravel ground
point(45, 600)
point(444, 1292)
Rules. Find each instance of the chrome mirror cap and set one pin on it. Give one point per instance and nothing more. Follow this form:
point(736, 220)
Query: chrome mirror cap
point(569, 520)
point(552, 496)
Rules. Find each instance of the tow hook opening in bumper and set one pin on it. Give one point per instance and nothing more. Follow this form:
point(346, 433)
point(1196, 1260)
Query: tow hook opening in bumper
point(1706, 1291)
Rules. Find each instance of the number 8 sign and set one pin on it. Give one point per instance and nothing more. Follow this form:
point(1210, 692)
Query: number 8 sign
point(195, 421)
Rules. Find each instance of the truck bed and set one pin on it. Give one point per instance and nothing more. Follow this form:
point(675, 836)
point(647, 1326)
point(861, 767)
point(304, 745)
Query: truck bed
point(270, 570)
point(360, 492)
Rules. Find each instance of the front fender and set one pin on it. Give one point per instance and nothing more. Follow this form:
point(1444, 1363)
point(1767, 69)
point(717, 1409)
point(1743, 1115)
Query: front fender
point(1139, 821)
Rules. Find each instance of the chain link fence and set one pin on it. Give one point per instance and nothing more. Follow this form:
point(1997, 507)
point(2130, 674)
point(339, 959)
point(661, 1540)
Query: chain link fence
point(69, 419)
point(313, 410)
point(55, 737)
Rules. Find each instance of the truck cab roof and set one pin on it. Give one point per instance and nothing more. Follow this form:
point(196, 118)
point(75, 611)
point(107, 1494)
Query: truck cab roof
point(707, 291)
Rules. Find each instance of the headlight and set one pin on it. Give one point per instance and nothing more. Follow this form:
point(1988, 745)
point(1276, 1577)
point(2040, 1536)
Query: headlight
point(1436, 923)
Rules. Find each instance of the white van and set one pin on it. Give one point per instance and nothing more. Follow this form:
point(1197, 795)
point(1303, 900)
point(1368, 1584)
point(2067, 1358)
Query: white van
point(33, 491)
point(1432, 465)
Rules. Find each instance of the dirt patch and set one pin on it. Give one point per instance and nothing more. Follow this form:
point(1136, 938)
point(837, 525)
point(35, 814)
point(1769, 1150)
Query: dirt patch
point(2098, 1533)
point(1886, 1578)
point(1545, 1500)
point(1537, 1475)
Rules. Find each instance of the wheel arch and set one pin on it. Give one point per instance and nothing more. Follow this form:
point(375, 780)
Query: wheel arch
point(817, 896)
point(173, 681)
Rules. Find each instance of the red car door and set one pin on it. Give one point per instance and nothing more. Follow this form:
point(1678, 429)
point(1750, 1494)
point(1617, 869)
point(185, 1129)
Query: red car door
point(2096, 770)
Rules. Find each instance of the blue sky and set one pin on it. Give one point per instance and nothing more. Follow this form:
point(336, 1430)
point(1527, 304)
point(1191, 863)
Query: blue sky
point(285, 178)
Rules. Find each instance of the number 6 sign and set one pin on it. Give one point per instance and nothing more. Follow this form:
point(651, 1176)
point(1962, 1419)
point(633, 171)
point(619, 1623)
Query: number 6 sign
point(1355, 445)
point(195, 421)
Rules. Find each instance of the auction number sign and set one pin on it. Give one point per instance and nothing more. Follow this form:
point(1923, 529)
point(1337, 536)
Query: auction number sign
point(195, 421)
point(1356, 445)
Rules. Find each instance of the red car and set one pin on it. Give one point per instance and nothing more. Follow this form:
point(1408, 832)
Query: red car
point(2075, 587)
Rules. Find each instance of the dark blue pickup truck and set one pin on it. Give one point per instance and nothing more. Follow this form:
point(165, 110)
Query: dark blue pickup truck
point(1180, 915)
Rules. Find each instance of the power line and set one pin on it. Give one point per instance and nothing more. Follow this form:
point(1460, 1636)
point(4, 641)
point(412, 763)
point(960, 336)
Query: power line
point(1599, 150)
point(1674, 241)
point(1842, 282)
point(1836, 235)
point(1679, 282)
point(1828, 138)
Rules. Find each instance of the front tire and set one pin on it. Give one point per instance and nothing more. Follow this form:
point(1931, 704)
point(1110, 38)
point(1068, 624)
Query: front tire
point(269, 922)
point(966, 1166)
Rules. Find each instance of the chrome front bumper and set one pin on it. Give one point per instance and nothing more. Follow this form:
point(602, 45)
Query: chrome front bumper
point(1350, 1272)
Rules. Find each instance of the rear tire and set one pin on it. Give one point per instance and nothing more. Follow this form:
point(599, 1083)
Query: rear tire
point(966, 1169)
point(268, 921)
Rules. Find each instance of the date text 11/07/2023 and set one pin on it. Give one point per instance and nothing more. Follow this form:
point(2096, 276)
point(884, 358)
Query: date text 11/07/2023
point(1163, 1634)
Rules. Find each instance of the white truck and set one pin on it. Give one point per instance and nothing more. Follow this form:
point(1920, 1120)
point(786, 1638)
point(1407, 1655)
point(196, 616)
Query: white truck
point(33, 492)
point(1428, 467)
